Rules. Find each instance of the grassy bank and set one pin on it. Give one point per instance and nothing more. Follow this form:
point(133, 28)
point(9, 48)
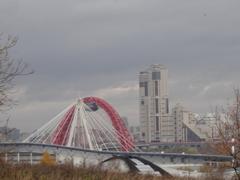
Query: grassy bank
point(62, 172)
point(69, 172)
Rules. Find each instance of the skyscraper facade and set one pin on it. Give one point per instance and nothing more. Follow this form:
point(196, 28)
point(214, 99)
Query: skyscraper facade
point(155, 123)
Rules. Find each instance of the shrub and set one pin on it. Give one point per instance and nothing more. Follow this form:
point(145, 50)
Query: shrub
point(47, 159)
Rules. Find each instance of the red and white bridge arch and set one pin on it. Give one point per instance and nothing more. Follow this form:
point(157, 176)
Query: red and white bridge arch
point(90, 123)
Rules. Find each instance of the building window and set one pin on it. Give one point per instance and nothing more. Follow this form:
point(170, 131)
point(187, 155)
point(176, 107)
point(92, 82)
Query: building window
point(167, 106)
point(156, 106)
point(142, 84)
point(146, 89)
point(156, 88)
point(145, 86)
point(157, 123)
point(156, 75)
point(142, 102)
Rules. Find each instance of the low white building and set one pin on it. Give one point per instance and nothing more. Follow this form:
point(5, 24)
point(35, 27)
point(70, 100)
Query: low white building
point(193, 127)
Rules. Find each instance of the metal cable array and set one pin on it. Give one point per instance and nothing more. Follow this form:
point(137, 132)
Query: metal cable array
point(91, 123)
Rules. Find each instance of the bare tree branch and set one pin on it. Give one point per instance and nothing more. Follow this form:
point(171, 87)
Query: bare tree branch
point(9, 70)
point(228, 126)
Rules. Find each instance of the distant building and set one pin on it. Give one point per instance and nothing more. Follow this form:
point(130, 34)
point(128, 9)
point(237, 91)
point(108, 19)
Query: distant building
point(3, 134)
point(184, 125)
point(136, 133)
point(134, 130)
point(125, 121)
point(207, 124)
point(155, 123)
point(9, 134)
point(23, 136)
point(191, 127)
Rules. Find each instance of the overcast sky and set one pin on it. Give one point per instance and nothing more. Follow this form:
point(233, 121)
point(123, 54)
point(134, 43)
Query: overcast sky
point(83, 48)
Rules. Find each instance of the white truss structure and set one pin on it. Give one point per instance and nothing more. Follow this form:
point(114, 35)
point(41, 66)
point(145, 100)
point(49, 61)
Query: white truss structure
point(85, 127)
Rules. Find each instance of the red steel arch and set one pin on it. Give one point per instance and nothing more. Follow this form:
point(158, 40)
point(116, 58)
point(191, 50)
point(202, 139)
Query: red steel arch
point(60, 135)
point(127, 141)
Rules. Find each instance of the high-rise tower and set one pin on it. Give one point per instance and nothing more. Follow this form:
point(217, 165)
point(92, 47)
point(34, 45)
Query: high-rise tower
point(154, 107)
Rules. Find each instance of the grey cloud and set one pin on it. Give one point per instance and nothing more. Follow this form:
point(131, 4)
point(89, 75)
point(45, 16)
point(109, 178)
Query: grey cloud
point(81, 47)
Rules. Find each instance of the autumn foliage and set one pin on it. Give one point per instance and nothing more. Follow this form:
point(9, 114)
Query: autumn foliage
point(47, 159)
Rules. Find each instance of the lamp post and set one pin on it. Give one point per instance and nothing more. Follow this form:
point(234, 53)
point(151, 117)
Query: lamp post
point(233, 153)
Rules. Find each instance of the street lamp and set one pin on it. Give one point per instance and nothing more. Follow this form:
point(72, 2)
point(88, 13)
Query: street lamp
point(233, 147)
